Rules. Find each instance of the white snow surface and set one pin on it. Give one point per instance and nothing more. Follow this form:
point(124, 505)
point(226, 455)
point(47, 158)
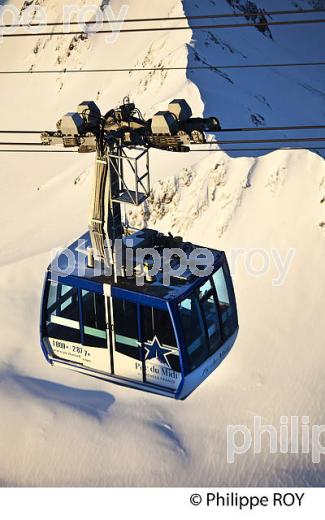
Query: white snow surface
point(59, 428)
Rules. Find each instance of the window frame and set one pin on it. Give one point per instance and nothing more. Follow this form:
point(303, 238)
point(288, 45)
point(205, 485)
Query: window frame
point(169, 311)
point(55, 305)
point(83, 326)
point(79, 290)
point(201, 319)
point(232, 299)
point(212, 292)
point(113, 332)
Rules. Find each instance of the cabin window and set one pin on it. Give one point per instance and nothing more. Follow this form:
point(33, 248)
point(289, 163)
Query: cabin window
point(194, 331)
point(159, 338)
point(227, 303)
point(126, 328)
point(211, 317)
point(221, 287)
point(201, 324)
point(62, 313)
point(94, 320)
point(205, 289)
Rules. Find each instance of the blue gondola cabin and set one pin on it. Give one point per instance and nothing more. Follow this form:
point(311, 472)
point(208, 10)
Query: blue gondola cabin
point(164, 339)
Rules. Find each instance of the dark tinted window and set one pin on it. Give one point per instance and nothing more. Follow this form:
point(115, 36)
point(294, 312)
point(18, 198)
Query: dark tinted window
point(194, 331)
point(157, 323)
point(227, 304)
point(205, 289)
point(126, 328)
point(62, 313)
point(94, 321)
point(211, 316)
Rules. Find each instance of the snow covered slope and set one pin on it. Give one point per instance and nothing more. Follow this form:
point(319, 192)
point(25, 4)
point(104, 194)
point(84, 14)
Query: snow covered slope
point(266, 96)
point(59, 428)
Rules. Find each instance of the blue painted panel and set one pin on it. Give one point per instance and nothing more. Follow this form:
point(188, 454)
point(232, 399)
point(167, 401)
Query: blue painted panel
point(140, 298)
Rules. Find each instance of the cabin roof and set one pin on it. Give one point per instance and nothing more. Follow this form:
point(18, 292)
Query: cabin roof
point(72, 262)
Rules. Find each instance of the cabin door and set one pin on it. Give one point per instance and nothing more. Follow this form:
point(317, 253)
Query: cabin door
point(96, 340)
point(126, 349)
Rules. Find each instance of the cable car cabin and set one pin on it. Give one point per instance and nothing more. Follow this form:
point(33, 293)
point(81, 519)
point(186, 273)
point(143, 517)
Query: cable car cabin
point(164, 339)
